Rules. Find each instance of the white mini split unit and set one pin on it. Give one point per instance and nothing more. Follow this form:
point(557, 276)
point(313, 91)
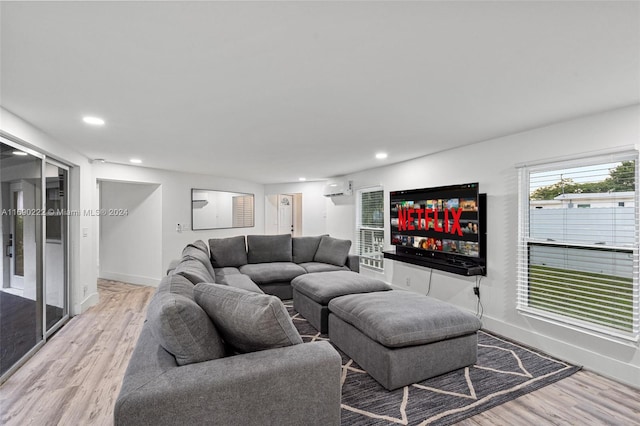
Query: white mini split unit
point(338, 188)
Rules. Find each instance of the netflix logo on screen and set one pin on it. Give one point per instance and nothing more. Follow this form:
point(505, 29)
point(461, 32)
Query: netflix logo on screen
point(406, 221)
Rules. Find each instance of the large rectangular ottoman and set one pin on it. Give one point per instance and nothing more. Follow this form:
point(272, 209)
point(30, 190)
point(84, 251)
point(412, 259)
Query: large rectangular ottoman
point(400, 337)
point(312, 292)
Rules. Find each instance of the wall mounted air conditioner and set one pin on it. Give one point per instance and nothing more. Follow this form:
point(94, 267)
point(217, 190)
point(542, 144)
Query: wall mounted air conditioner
point(337, 188)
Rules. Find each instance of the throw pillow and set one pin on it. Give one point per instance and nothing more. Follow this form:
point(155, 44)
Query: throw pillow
point(332, 250)
point(228, 251)
point(268, 248)
point(183, 329)
point(247, 321)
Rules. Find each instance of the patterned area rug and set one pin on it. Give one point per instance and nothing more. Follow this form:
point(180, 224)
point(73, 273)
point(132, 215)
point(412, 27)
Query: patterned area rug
point(504, 371)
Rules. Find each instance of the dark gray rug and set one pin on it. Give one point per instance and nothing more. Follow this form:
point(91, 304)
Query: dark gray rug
point(505, 370)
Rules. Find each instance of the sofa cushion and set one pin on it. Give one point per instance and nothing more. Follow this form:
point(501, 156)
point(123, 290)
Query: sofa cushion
point(324, 286)
point(229, 270)
point(305, 248)
point(332, 250)
point(241, 281)
point(183, 329)
point(172, 265)
point(200, 245)
point(192, 252)
point(312, 267)
point(266, 273)
point(176, 284)
point(194, 271)
point(228, 251)
point(247, 321)
point(269, 248)
point(400, 318)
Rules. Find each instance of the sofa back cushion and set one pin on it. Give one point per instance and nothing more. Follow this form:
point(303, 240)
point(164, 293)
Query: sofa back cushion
point(194, 271)
point(200, 245)
point(332, 250)
point(304, 248)
point(226, 252)
point(183, 329)
point(177, 284)
point(269, 248)
point(196, 253)
point(247, 321)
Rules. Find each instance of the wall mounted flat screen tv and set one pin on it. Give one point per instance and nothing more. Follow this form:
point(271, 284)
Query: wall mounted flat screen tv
point(445, 223)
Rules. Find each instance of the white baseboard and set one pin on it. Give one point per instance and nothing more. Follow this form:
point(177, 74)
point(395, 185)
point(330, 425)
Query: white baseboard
point(88, 302)
point(130, 279)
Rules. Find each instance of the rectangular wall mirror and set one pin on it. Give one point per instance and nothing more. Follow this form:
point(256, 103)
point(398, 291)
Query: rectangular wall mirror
point(212, 209)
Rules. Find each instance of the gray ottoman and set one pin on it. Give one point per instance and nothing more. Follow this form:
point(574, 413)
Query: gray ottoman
point(312, 292)
point(400, 337)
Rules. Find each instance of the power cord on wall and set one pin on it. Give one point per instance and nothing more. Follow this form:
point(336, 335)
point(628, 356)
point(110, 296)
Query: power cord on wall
point(476, 291)
point(429, 283)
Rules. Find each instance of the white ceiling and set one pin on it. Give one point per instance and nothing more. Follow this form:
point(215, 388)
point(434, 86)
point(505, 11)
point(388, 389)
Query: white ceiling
point(271, 91)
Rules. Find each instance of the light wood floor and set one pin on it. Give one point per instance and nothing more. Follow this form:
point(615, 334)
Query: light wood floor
point(75, 378)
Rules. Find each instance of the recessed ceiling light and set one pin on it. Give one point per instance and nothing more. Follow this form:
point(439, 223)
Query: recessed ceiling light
point(96, 121)
point(302, 179)
point(135, 161)
point(381, 155)
point(16, 152)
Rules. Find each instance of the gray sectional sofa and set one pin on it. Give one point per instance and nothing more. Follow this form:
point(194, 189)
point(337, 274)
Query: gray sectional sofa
point(265, 263)
point(227, 353)
point(215, 349)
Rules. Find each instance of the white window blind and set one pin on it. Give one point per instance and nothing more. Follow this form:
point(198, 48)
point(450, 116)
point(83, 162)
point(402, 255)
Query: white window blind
point(578, 243)
point(242, 207)
point(370, 227)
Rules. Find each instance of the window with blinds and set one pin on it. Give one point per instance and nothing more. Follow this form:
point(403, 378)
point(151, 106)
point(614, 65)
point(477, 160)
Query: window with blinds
point(578, 243)
point(370, 227)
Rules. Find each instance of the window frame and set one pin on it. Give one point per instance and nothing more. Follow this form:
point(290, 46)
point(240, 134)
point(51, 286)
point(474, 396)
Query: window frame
point(525, 242)
point(369, 262)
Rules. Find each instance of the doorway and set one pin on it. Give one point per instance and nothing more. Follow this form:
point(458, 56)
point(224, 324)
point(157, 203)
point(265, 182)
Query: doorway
point(130, 234)
point(283, 214)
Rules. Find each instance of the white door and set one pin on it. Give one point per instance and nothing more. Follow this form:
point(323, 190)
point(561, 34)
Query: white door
point(285, 214)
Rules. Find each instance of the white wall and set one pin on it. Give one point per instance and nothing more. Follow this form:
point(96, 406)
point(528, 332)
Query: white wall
point(271, 214)
point(493, 164)
point(83, 284)
point(175, 193)
point(131, 243)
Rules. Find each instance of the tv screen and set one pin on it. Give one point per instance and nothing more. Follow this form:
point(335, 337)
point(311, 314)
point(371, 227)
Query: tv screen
point(443, 223)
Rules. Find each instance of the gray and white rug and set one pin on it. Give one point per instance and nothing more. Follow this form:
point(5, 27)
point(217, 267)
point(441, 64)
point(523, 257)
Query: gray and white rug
point(504, 371)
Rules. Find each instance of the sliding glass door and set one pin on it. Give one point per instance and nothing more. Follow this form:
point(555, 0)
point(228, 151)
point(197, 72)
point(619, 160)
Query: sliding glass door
point(21, 313)
point(55, 270)
point(34, 290)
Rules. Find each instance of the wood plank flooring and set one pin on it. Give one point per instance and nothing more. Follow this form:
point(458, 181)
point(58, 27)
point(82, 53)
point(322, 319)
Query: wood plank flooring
point(584, 398)
point(75, 378)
